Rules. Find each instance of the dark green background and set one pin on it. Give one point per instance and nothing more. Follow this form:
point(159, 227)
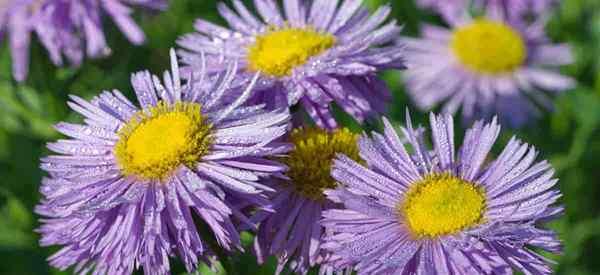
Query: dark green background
point(569, 137)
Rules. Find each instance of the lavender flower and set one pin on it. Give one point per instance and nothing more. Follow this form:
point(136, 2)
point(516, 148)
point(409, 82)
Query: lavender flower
point(66, 27)
point(438, 212)
point(293, 232)
point(317, 53)
point(125, 189)
point(462, 66)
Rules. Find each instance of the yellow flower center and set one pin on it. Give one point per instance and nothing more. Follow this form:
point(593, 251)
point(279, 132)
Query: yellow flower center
point(489, 47)
point(157, 141)
point(277, 53)
point(310, 161)
point(442, 204)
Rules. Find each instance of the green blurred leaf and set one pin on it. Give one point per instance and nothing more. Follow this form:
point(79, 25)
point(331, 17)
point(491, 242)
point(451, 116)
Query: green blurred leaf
point(584, 106)
point(16, 224)
point(205, 270)
point(31, 99)
point(19, 216)
point(24, 109)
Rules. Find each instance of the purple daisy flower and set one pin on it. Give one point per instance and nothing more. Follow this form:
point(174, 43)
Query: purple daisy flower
point(66, 27)
point(125, 190)
point(435, 212)
point(293, 232)
point(315, 53)
point(510, 77)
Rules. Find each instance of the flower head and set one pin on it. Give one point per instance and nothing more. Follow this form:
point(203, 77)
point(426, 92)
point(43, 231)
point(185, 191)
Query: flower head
point(439, 212)
point(315, 54)
point(293, 232)
point(487, 65)
point(66, 27)
point(129, 185)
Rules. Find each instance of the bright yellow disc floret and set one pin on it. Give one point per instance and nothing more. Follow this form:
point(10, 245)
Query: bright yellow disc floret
point(278, 52)
point(489, 47)
point(157, 141)
point(442, 204)
point(310, 161)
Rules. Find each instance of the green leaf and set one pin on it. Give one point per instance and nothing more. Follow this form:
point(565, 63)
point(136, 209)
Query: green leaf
point(31, 99)
point(16, 224)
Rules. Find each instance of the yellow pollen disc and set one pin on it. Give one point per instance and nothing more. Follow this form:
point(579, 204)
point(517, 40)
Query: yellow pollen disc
point(442, 204)
point(157, 141)
point(278, 52)
point(310, 161)
point(489, 47)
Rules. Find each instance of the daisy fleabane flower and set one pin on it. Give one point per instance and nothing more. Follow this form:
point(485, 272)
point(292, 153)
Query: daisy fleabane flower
point(315, 53)
point(487, 65)
point(129, 186)
point(440, 212)
point(66, 27)
point(293, 232)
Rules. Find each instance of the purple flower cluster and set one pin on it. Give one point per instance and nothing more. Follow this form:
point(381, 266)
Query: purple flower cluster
point(214, 145)
point(66, 28)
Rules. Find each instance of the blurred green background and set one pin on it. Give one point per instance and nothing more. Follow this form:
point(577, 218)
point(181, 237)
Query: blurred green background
point(569, 137)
